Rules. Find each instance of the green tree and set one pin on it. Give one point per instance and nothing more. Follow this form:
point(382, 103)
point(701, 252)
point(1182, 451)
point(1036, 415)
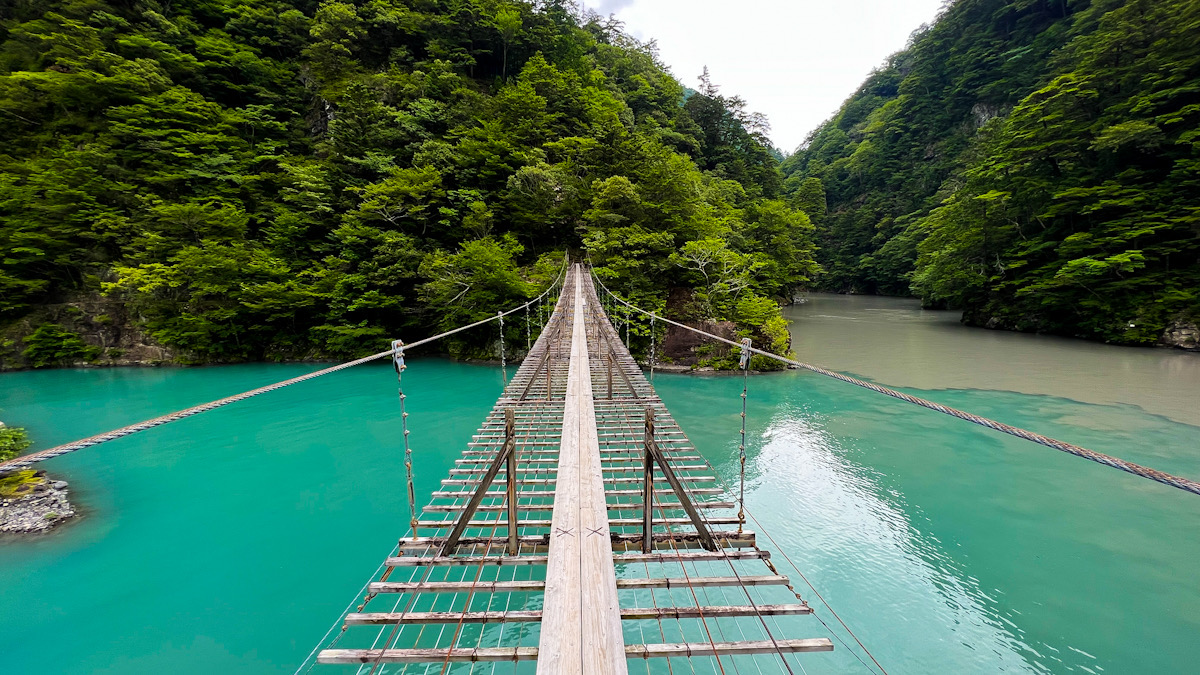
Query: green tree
point(51, 344)
point(285, 179)
point(13, 441)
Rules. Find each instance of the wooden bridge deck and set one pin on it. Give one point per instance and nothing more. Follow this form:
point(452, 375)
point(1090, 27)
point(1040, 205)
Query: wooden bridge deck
point(575, 588)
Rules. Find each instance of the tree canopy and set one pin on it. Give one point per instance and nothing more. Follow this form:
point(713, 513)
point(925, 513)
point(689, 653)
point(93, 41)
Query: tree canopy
point(291, 178)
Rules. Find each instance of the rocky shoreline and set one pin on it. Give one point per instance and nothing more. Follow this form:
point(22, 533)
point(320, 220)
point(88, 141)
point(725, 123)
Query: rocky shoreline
point(32, 502)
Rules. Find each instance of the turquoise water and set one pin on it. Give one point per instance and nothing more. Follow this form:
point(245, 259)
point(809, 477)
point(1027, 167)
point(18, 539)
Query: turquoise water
point(230, 541)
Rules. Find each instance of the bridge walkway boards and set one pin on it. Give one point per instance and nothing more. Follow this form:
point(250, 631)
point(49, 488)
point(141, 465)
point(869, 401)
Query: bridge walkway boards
point(574, 587)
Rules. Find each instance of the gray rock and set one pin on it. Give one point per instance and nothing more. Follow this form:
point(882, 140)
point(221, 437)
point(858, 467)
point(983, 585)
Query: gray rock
point(41, 510)
point(1182, 335)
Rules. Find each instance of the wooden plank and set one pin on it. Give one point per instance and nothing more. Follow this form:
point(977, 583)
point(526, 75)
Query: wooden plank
point(664, 491)
point(519, 586)
point(518, 616)
point(579, 573)
point(474, 482)
point(534, 586)
point(463, 494)
point(713, 612)
point(494, 654)
point(690, 556)
point(682, 541)
point(612, 522)
point(724, 538)
point(629, 466)
point(389, 618)
point(562, 609)
point(603, 635)
point(618, 558)
point(703, 582)
point(457, 655)
point(729, 648)
point(633, 461)
point(498, 508)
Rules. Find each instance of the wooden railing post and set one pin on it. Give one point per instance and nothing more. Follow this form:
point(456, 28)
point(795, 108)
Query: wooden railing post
point(510, 443)
point(648, 481)
point(504, 453)
point(610, 371)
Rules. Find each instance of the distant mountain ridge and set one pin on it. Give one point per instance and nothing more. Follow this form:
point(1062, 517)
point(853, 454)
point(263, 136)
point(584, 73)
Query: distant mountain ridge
point(1033, 162)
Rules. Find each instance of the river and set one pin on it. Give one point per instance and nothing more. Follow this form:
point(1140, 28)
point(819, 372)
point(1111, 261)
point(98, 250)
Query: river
point(228, 542)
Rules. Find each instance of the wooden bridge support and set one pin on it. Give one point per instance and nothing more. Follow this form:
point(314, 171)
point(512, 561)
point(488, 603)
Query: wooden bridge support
point(577, 437)
point(654, 456)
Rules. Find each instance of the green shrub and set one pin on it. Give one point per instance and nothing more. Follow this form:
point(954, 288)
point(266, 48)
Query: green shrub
point(12, 441)
point(51, 344)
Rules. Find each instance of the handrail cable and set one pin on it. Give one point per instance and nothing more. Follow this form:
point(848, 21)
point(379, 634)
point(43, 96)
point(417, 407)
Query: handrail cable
point(26, 460)
point(1098, 457)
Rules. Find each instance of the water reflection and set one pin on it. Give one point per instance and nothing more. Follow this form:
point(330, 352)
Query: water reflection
point(856, 529)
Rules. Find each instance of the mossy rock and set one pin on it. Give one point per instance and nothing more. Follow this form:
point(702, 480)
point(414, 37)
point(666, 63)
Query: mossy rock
point(19, 483)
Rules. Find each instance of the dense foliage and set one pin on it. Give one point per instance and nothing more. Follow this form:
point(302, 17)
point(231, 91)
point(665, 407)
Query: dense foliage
point(1034, 162)
point(12, 441)
point(271, 178)
point(52, 344)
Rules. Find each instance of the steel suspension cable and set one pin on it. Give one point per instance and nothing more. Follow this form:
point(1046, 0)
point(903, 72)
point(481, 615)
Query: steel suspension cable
point(398, 363)
point(1163, 477)
point(745, 366)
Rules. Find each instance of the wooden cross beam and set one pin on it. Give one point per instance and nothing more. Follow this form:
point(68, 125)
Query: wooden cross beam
point(507, 456)
point(654, 455)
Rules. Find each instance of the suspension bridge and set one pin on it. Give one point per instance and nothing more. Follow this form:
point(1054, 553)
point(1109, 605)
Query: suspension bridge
point(581, 531)
point(578, 473)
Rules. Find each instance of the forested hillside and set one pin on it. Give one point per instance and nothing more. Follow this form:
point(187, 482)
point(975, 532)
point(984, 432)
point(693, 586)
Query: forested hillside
point(1034, 162)
point(250, 179)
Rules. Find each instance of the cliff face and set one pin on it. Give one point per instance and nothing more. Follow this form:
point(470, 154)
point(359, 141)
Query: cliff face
point(104, 324)
point(685, 350)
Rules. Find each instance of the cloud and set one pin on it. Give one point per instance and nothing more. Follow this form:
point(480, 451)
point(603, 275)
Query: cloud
point(794, 60)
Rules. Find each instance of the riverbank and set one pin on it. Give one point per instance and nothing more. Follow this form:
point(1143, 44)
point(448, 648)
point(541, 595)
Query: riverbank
point(30, 501)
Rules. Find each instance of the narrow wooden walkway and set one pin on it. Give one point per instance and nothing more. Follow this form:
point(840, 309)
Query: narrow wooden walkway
point(576, 586)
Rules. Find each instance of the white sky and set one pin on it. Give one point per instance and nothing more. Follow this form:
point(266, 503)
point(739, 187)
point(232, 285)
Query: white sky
point(794, 60)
